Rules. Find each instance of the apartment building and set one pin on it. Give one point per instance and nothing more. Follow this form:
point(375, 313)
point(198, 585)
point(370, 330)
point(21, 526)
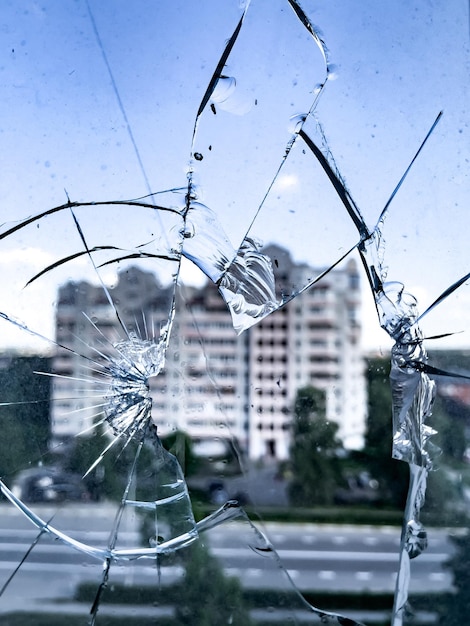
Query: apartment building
point(216, 384)
point(88, 326)
point(313, 340)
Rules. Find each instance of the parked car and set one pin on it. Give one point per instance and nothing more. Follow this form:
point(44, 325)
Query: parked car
point(361, 489)
point(49, 484)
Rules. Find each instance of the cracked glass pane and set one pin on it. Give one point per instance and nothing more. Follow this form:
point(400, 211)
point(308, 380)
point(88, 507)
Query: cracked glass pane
point(202, 208)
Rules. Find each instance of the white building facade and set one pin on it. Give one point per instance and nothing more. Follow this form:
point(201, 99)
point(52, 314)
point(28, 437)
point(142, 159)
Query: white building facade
point(216, 384)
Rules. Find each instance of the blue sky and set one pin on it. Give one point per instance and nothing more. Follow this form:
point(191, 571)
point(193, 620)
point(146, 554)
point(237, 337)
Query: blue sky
point(397, 64)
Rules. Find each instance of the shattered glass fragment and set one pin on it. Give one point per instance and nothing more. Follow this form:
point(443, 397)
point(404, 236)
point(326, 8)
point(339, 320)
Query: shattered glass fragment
point(296, 122)
point(128, 406)
point(226, 97)
point(248, 286)
point(170, 504)
point(412, 390)
point(263, 184)
point(413, 541)
point(245, 277)
point(416, 540)
point(174, 522)
point(224, 89)
point(256, 549)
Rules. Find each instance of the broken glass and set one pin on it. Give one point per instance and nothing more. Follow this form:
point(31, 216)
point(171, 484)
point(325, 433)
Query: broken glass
point(245, 143)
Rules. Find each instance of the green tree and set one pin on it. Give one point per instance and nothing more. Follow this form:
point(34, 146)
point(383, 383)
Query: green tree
point(457, 607)
point(209, 597)
point(377, 455)
point(391, 473)
point(24, 413)
point(180, 445)
point(450, 432)
point(313, 450)
point(444, 487)
point(108, 478)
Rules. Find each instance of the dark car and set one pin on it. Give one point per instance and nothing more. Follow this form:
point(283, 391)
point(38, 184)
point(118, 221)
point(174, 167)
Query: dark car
point(361, 489)
point(49, 484)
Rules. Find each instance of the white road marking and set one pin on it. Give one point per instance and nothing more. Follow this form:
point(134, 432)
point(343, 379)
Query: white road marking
point(308, 539)
point(303, 555)
point(254, 572)
point(363, 575)
point(339, 540)
point(233, 571)
point(73, 568)
point(371, 541)
point(327, 575)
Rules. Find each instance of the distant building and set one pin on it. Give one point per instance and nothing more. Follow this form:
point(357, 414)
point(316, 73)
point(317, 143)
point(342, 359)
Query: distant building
point(215, 383)
point(87, 328)
point(313, 340)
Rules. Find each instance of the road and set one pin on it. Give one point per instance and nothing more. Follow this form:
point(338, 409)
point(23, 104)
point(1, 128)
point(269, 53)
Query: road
point(317, 557)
